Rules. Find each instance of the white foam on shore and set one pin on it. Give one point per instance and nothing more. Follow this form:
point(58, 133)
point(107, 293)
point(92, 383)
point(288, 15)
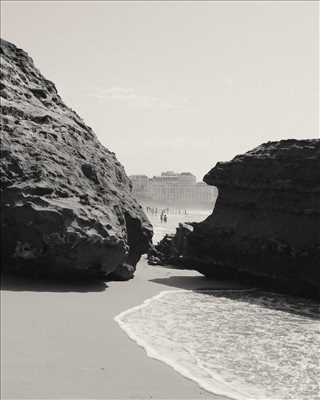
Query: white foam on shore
point(186, 363)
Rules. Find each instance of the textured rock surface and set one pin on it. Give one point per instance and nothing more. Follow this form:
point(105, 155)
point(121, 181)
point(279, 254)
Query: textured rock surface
point(266, 223)
point(66, 200)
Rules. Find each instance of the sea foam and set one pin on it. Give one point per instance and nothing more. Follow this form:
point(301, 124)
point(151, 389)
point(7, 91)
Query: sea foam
point(239, 344)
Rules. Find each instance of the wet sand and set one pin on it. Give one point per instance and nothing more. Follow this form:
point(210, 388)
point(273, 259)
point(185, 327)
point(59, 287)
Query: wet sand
point(62, 341)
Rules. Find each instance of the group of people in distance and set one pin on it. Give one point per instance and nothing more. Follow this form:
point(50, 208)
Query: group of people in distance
point(163, 216)
point(164, 212)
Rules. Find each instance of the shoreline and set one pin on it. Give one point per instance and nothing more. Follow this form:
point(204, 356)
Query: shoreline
point(218, 388)
point(65, 343)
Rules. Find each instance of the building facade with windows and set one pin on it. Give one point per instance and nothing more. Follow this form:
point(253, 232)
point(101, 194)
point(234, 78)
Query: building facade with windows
point(175, 189)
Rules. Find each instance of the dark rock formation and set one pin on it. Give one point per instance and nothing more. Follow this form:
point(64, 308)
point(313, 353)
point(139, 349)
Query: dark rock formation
point(66, 201)
point(172, 248)
point(265, 227)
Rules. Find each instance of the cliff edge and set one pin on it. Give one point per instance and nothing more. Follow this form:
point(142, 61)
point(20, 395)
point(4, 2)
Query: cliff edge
point(66, 201)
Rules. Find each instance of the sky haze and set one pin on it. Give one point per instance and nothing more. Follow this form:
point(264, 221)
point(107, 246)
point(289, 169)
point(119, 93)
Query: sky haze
point(178, 85)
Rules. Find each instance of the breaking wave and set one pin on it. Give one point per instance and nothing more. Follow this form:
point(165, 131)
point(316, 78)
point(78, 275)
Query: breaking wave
point(240, 344)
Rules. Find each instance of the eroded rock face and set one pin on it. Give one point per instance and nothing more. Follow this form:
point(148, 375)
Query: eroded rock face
point(66, 200)
point(266, 223)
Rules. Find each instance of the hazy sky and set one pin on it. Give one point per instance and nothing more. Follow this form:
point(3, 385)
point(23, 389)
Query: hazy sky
point(178, 85)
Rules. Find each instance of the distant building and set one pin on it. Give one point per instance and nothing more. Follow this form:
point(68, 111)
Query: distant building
point(139, 182)
point(176, 189)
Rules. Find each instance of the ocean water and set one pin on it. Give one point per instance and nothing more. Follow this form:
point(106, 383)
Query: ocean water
point(242, 344)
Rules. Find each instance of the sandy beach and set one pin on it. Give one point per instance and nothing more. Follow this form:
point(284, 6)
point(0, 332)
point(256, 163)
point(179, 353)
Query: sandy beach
point(62, 341)
point(185, 131)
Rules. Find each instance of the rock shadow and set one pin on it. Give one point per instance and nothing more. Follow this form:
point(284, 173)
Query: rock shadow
point(196, 283)
point(28, 284)
point(286, 303)
point(301, 306)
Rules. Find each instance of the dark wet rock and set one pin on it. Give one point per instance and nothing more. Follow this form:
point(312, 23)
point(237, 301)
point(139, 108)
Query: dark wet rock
point(265, 227)
point(66, 201)
point(170, 250)
point(123, 273)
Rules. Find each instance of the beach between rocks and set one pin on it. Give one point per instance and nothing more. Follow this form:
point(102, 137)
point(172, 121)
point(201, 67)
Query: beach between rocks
point(61, 341)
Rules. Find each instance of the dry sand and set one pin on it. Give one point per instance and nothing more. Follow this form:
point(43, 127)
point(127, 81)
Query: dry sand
point(62, 341)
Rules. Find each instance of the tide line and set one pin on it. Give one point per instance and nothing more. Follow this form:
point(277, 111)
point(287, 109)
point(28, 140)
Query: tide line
point(216, 385)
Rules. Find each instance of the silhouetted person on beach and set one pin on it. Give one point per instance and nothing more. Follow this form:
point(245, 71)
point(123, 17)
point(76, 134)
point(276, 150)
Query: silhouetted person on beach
point(165, 218)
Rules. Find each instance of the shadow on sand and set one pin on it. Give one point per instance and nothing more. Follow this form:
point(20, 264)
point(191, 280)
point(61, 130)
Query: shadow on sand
point(20, 283)
point(241, 293)
point(196, 282)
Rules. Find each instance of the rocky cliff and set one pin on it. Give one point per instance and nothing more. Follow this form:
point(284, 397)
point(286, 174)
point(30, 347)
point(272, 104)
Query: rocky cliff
point(66, 201)
point(265, 227)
